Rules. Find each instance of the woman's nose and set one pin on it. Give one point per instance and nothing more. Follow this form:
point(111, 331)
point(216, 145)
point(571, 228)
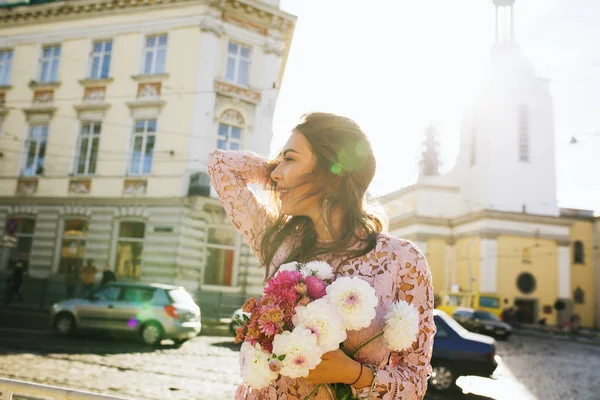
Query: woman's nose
point(276, 174)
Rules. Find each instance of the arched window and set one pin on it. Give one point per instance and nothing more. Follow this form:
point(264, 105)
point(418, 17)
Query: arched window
point(24, 234)
point(231, 125)
point(130, 247)
point(72, 248)
point(578, 255)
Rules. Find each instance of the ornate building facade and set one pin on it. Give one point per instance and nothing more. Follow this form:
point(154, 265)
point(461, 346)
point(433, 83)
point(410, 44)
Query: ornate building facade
point(493, 224)
point(108, 111)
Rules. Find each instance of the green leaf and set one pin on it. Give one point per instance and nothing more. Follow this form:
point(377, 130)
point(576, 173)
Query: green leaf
point(281, 357)
point(343, 392)
point(245, 317)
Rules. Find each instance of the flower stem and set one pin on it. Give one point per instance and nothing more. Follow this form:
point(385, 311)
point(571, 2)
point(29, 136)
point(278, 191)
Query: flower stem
point(351, 355)
point(365, 343)
point(313, 392)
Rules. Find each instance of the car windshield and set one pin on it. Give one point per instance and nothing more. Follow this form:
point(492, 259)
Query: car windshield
point(455, 326)
point(181, 296)
point(485, 316)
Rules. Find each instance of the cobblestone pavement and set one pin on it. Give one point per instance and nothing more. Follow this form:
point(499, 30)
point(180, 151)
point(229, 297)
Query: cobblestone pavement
point(207, 367)
point(554, 369)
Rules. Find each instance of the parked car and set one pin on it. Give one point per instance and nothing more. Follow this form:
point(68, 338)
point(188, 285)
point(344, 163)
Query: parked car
point(458, 352)
point(483, 322)
point(236, 320)
point(153, 311)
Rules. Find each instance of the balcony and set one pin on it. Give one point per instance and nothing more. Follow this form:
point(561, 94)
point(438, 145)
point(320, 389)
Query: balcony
point(230, 89)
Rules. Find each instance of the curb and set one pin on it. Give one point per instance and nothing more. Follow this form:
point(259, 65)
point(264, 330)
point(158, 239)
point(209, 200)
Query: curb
point(565, 338)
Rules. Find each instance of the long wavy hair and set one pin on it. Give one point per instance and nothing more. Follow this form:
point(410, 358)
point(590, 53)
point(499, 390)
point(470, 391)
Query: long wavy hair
point(344, 169)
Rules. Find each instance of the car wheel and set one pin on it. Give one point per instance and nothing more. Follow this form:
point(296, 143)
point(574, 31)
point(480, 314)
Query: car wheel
point(151, 333)
point(64, 323)
point(443, 378)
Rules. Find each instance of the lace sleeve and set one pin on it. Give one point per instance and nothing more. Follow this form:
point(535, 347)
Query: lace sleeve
point(231, 172)
point(406, 374)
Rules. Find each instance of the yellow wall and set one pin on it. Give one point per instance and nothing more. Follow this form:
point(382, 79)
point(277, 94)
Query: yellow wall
point(467, 254)
point(582, 275)
point(543, 266)
point(436, 257)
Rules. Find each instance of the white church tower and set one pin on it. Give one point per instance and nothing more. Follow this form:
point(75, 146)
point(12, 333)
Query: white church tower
point(506, 160)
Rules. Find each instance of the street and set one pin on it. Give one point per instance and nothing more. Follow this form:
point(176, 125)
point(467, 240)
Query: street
point(207, 367)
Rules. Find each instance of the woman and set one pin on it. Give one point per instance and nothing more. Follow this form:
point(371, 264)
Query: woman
point(320, 179)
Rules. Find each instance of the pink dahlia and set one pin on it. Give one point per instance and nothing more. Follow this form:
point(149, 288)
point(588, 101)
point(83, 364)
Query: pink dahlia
point(283, 286)
point(270, 320)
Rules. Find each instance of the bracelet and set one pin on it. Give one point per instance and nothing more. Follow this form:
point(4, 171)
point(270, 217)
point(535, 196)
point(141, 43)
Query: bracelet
point(359, 375)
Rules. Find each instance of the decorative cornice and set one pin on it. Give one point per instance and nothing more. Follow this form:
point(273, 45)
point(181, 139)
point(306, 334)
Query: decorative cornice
point(75, 211)
point(136, 211)
point(246, 11)
point(274, 47)
point(213, 26)
point(23, 209)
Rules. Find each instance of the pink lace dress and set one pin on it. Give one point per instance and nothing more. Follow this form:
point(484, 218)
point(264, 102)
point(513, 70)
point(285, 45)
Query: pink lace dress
point(395, 268)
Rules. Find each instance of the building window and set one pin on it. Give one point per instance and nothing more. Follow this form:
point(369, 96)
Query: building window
point(130, 245)
point(72, 248)
point(5, 66)
point(230, 137)
point(473, 146)
point(100, 62)
point(24, 235)
point(578, 254)
point(35, 150)
point(142, 154)
point(222, 250)
point(87, 148)
point(526, 255)
point(579, 296)
point(523, 133)
point(238, 64)
point(50, 62)
point(526, 283)
point(155, 55)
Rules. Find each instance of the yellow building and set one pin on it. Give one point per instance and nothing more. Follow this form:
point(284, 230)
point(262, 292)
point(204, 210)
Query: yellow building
point(493, 224)
point(108, 111)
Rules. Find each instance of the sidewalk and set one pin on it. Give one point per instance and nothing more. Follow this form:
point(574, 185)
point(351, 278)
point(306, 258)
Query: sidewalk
point(585, 335)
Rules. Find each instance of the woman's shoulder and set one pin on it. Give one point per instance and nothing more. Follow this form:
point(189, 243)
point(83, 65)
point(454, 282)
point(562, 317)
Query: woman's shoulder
point(395, 246)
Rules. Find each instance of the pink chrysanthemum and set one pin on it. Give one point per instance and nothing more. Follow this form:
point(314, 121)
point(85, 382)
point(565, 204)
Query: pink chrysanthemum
point(316, 287)
point(283, 286)
point(270, 320)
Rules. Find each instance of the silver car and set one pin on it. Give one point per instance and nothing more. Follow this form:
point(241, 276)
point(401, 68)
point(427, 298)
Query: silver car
point(154, 311)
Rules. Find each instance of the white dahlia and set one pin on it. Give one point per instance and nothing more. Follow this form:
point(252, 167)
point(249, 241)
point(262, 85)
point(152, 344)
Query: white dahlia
point(401, 326)
point(254, 366)
point(301, 352)
point(320, 269)
point(291, 266)
point(324, 321)
point(355, 300)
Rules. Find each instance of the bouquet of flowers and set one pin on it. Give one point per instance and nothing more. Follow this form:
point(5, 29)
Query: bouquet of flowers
point(304, 313)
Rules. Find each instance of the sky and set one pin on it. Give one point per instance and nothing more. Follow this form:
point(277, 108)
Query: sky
point(395, 66)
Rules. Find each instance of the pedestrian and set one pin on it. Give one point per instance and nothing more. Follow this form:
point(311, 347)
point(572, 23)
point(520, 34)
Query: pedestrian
point(71, 279)
point(319, 181)
point(88, 276)
point(14, 283)
point(108, 275)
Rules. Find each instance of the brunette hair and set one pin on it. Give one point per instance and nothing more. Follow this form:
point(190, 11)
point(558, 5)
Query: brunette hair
point(344, 169)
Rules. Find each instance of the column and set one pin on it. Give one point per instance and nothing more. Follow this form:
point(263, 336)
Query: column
point(422, 245)
point(564, 272)
point(488, 265)
point(203, 125)
point(262, 133)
